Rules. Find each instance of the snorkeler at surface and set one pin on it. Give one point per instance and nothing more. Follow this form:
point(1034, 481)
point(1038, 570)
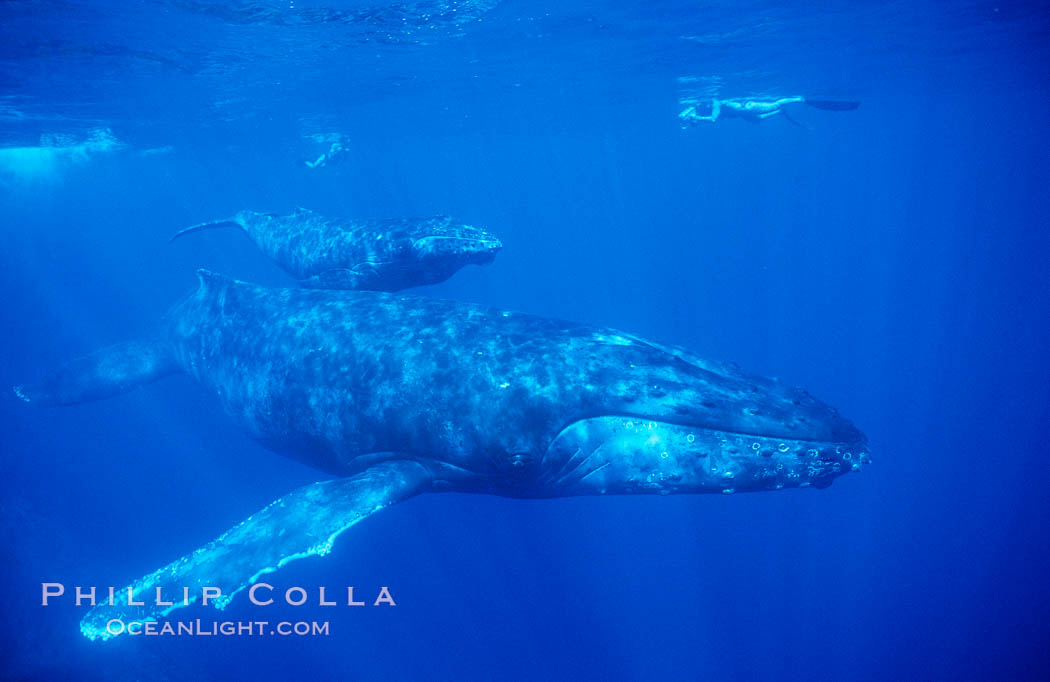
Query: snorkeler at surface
point(755, 110)
point(336, 150)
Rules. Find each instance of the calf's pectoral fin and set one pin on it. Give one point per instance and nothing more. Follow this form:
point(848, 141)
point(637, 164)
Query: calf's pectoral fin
point(303, 523)
point(335, 278)
point(233, 222)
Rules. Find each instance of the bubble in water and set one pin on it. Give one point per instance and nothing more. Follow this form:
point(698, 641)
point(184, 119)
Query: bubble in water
point(783, 447)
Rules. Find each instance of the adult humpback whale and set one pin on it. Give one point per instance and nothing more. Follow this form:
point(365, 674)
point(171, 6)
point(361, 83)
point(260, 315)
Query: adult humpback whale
point(397, 396)
point(380, 255)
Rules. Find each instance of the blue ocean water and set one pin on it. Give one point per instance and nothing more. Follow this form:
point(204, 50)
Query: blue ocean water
point(892, 260)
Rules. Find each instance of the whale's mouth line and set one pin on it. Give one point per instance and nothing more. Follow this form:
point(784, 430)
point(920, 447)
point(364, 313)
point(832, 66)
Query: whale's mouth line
point(858, 443)
point(625, 453)
point(483, 243)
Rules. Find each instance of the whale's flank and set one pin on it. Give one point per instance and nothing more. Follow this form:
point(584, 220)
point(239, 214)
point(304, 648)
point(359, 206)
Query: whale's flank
point(102, 374)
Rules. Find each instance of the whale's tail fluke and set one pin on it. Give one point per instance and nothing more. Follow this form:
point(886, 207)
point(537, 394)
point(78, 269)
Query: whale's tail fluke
point(231, 222)
point(106, 373)
point(833, 104)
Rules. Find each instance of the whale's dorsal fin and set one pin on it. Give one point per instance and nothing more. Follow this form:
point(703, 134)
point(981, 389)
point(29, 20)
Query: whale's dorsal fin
point(303, 523)
point(211, 280)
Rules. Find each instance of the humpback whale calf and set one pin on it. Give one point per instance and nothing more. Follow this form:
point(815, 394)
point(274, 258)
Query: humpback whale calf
point(394, 396)
point(380, 255)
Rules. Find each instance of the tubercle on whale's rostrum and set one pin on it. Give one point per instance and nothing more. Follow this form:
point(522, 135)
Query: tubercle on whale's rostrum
point(376, 255)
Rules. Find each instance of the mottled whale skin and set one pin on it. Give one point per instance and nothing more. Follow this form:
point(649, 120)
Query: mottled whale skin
point(397, 396)
point(377, 255)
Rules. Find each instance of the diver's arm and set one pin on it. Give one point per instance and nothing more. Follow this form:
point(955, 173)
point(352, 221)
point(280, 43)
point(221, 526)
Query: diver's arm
point(688, 114)
point(716, 109)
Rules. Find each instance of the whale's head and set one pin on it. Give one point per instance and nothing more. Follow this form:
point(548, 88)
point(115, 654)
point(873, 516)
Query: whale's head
point(443, 242)
point(672, 423)
point(410, 253)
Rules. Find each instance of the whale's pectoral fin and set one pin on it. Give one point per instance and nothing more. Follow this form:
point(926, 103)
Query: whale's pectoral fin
point(303, 523)
point(341, 278)
point(103, 374)
point(232, 222)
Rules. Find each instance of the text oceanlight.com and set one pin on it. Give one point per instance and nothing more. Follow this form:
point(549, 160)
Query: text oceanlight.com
point(199, 628)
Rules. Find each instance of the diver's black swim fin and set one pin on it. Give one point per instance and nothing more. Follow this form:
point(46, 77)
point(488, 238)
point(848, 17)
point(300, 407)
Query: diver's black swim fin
point(793, 121)
point(833, 104)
